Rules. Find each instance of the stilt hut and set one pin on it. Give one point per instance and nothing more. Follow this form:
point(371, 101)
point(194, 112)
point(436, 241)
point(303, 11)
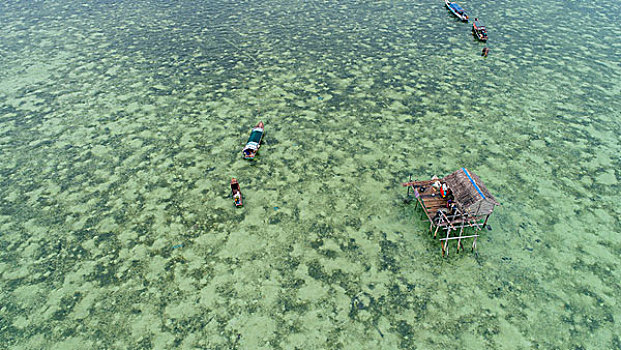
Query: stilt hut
point(454, 203)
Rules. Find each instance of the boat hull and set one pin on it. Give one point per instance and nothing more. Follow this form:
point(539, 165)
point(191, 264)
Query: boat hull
point(479, 31)
point(480, 37)
point(237, 199)
point(462, 16)
point(254, 142)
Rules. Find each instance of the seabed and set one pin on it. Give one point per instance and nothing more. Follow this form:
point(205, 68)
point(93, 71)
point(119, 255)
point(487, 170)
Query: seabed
point(122, 123)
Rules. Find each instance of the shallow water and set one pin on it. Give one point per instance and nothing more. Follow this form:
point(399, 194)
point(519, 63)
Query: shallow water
point(122, 122)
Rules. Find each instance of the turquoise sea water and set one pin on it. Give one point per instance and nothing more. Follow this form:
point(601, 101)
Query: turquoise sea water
point(122, 122)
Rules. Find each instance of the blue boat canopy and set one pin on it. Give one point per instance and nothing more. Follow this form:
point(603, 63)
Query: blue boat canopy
point(255, 136)
point(457, 7)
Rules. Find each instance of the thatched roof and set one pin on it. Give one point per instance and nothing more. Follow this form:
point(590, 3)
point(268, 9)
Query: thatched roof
point(464, 191)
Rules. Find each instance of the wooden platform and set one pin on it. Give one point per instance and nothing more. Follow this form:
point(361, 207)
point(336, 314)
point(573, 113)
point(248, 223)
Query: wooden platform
point(471, 206)
point(431, 201)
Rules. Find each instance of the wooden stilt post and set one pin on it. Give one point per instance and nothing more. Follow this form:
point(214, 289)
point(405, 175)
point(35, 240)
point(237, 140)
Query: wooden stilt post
point(436, 231)
point(409, 186)
point(461, 230)
point(485, 223)
point(448, 233)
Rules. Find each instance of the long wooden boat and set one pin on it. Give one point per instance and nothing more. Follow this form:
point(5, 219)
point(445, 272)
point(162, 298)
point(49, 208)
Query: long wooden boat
point(479, 30)
point(456, 10)
point(236, 192)
point(254, 141)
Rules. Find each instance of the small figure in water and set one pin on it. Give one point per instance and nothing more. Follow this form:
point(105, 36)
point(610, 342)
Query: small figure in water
point(485, 52)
